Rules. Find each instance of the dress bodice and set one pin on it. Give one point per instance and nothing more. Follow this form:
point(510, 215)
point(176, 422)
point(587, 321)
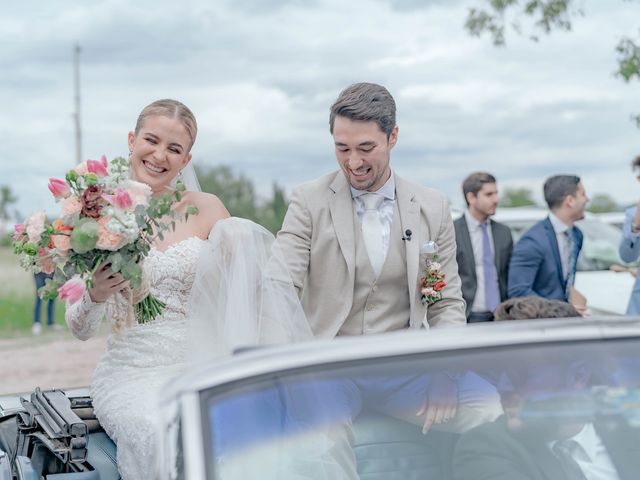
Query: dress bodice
point(171, 274)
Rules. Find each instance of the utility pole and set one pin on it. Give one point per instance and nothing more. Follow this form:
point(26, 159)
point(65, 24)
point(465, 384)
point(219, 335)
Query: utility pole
point(76, 114)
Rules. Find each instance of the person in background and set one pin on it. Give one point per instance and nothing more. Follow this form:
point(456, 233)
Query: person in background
point(484, 248)
point(36, 329)
point(548, 430)
point(630, 244)
point(544, 260)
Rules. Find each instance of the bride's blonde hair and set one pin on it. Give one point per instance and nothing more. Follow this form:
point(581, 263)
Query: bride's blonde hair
point(172, 109)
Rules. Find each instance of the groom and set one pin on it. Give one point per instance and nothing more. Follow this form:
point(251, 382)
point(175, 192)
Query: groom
point(353, 239)
point(353, 236)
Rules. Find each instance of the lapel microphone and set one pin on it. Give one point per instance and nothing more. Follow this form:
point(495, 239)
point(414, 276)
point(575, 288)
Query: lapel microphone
point(407, 235)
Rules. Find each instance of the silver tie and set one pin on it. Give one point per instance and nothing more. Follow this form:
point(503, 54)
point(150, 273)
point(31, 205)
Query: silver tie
point(372, 230)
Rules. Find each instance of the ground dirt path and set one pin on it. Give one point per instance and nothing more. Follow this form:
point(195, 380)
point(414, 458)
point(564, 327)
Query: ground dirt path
point(53, 360)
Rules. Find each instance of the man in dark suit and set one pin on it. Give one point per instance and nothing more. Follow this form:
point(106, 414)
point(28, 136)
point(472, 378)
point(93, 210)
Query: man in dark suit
point(483, 248)
point(555, 425)
point(544, 260)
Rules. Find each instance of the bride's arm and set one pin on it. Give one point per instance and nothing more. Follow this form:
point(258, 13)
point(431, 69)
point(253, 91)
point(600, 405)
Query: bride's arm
point(84, 316)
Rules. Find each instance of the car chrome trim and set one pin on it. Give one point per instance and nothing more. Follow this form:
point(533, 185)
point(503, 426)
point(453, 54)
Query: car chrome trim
point(193, 452)
point(273, 359)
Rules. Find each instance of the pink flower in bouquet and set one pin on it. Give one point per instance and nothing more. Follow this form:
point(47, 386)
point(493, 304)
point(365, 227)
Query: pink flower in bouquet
point(139, 193)
point(62, 243)
point(120, 198)
point(108, 240)
point(99, 167)
point(70, 206)
point(58, 187)
point(18, 230)
point(35, 226)
point(72, 290)
point(81, 169)
point(46, 263)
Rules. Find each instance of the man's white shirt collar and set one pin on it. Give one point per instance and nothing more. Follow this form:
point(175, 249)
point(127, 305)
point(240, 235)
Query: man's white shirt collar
point(592, 456)
point(558, 225)
point(388, 190)
point(473, 221)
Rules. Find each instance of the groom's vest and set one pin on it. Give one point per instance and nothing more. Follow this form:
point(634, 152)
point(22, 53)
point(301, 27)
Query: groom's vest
point(379, 305)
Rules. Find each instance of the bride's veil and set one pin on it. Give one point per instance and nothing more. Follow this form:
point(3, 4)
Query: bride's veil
point(242, 294)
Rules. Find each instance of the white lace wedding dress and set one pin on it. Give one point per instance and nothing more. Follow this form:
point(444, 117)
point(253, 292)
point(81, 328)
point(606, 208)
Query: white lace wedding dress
point(139, 360)
point(229, 291)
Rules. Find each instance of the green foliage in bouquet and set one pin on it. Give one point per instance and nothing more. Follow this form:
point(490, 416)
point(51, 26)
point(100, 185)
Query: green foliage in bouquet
point(106, 217)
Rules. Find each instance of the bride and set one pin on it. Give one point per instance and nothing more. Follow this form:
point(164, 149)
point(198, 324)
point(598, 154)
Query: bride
point(205, 271)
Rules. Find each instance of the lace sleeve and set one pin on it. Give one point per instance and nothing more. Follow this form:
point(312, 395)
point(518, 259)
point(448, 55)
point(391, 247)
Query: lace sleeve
point(84, 316)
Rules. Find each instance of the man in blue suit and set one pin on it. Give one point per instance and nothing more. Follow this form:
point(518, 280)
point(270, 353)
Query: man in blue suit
point(629, 249)
point(544, 260)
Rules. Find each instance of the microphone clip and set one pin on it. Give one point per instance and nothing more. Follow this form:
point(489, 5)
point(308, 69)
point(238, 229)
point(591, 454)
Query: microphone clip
point(407, 235)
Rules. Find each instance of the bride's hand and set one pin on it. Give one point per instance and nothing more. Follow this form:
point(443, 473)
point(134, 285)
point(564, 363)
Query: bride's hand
point(106, 283)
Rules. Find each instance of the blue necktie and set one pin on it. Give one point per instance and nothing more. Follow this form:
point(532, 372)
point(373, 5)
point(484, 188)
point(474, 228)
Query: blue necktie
point(571, 263)
point(491, 293)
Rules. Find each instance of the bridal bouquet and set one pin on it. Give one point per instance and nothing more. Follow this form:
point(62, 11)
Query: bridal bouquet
point(105, 216)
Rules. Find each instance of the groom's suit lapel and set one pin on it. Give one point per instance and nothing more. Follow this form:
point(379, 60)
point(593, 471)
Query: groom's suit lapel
point(342, 217)
point(410, 220)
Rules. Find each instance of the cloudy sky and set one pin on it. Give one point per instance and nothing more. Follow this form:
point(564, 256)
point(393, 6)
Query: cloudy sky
point(260, 76)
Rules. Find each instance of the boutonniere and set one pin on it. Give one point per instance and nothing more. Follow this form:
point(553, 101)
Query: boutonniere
point(432, 281)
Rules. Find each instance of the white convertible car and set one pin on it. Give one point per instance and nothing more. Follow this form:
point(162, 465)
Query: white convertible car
point(347, 409)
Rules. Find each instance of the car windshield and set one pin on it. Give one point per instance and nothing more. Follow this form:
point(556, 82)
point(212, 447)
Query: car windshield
point(365, 419)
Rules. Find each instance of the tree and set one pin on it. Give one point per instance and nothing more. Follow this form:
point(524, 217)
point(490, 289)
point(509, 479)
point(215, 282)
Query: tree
point(273, 211)
point(517, 197)
point(238, 195)
point(601, 203)
point(546, 15)
point(6, 199)
point(236, 192)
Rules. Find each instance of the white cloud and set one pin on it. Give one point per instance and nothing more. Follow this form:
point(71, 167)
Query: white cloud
point(261, 76)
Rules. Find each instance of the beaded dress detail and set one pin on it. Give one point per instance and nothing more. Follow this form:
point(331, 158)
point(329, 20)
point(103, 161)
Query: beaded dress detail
point(140, 359)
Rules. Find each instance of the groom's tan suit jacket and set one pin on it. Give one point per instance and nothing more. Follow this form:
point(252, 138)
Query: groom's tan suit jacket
point(319, 238)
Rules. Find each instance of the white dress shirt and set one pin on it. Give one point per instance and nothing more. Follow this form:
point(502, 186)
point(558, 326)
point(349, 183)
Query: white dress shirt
point(592, 456)
point(386, 209)
point(475, 233)
point(563, 245)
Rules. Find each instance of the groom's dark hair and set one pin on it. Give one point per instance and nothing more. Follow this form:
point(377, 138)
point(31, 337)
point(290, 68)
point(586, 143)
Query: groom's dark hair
point(365, 102)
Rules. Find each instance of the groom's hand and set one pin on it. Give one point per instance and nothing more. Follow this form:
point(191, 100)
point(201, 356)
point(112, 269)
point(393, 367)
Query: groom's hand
point(441, 403)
